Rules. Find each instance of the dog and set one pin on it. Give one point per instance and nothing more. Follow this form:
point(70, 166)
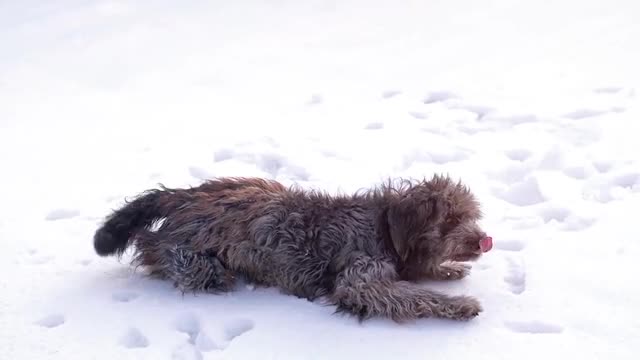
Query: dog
point(364, 253)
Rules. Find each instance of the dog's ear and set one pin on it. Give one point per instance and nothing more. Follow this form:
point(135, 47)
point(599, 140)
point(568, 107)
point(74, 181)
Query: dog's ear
point(409, 216)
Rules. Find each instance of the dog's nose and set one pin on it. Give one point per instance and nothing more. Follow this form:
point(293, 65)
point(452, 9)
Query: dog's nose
point(486, 243)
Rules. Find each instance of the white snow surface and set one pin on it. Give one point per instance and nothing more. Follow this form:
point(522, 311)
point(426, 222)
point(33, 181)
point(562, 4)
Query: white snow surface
point(533, 104)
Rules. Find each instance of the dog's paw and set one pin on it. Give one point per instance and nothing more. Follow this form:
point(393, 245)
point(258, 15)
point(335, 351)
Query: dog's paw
point(452, 271)
point(456, 271)
point(463, 308)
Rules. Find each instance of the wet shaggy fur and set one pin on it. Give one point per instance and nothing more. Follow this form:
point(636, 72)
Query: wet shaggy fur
point(364, 252)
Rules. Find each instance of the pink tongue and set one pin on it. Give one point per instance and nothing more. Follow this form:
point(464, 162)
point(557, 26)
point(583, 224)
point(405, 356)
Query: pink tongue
point(486, 244)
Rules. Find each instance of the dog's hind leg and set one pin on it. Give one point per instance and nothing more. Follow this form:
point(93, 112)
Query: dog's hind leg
point(196, 271)
point(189, 270)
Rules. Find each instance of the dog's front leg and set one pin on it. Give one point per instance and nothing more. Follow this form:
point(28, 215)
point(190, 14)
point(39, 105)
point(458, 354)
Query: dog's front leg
point(370, 287)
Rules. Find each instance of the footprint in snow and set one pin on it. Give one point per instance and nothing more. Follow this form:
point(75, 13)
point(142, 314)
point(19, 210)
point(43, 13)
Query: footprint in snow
point(518, 154)
point(271, 163)
point(237, 327)
point(602, 166)
point(36, 258)
point(524, 193)
point(418, 115)
point(447, 157)
point(51, 321)
point(584, 113)
point(480, 110)
point(576, 172)
point(190, 325)
point(124, 296)
point(61, 214)
point(84, 262)
point(433, 130)
point(602, 195)
point(608, 90)
point(133, 339)
point(511, 119)
point(440, 158)
point(315, 99)
point(390, 93)
point(469, 130)
point(509, 245)
point(527, 223)
point(223, 154)
point(374, 126)
point(199, 173)
point(516, 277)
point(40, 260)
point(554, 213)
point(204, 343)
point(276, 164)
point(534, 327)
point(438, 96)
point(474, 127)
point(186, 352)
point(628, 180)
point(575, 223)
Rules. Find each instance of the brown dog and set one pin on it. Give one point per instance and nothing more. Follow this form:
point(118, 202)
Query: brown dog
point(361, 252)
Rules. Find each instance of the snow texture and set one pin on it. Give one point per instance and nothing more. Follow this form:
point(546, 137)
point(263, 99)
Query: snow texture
point(133, 339)
point(51, 321)
point(533, 105)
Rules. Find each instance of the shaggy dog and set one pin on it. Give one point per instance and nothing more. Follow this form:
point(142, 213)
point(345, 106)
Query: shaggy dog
point(363, 252)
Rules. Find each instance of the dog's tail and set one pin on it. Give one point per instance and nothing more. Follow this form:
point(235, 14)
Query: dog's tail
point(120, 227)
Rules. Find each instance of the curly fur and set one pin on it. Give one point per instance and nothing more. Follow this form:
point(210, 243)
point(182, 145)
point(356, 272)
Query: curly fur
point(363, 252)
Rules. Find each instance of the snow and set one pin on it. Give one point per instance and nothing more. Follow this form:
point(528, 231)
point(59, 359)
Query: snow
point(534, 106)
point(61, 214)
point(133, 338)
point(51, 321)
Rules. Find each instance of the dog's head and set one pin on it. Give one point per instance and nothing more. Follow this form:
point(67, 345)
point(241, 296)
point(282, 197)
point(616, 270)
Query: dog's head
point(434, 221)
